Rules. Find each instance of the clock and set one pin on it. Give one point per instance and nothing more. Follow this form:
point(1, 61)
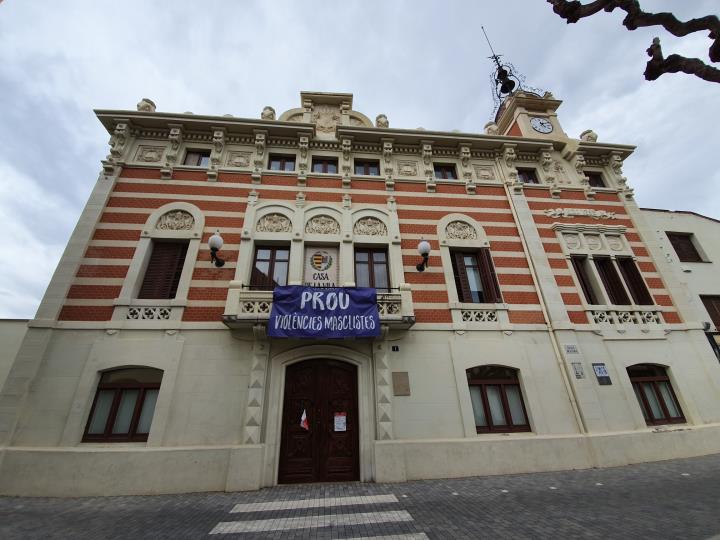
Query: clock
point(541, 125)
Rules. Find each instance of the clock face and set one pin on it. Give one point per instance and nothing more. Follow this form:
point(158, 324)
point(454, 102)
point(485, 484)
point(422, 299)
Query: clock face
point(541, 125)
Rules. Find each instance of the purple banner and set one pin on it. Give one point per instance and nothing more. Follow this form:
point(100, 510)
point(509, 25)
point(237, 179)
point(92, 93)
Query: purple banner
point(324, 313)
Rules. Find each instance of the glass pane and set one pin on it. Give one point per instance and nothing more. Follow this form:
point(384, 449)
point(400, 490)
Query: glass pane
point(667, 395)
point(138, 375)
point(332, 167)
point(379, 256)
point(290, 165)
point(438, 173)
point(640, 401)
point(473, 277)
point(275, 165)
point(477, 405)
point(148, 408)
point(359, 168)
point(263, 254)
point(262, 267)
point(100, 414)
point(491, 372)
point(125, 411)
point(282, 255)
point(655, 408)
point(204, 161)
point(375, 170)
point(497, 414)
point(280, 273)
point(381, 277)
point(515, 403)
point(361, 256)
point(317, 167)
point(362, 275)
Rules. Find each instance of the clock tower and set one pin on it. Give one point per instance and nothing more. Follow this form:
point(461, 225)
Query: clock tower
point(526, 114)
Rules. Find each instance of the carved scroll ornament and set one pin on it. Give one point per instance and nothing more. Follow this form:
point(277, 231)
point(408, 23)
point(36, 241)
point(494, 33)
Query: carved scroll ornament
point(322, 225)
point(274, 223)
point(370, 226)
point(459, 230)
point(176, 220)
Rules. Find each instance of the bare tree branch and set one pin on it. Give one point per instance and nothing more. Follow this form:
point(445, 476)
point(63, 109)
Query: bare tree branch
point(573, 11)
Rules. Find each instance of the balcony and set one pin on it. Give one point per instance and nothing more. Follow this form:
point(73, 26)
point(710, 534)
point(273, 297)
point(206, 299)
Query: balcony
point(246, 308)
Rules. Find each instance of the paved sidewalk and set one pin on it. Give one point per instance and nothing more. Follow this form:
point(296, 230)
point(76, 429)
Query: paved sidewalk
point(672, 499)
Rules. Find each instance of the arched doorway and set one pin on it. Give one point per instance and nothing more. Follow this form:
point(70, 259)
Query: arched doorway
point(321, 445)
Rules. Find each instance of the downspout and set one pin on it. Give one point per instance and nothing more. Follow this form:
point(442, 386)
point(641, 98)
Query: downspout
point(562, 365)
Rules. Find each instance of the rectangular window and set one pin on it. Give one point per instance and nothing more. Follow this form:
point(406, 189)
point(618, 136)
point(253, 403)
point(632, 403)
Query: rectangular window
point(371, 269)
point(655, 394)
point(475, 277)
point(634, 281)
point(367, 167)
point(496, 400)
point(270, 268)
point(580, 266)
point(684, 246)
point(164, 270)
point(712, 304)
point(326, 165)
point(528, 176)
point(595, 179)
point(445, 171)
point(611, 281)
point(278, 162)
point(197, 158)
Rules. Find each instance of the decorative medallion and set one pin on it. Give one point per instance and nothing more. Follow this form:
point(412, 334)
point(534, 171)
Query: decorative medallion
point(459, 230)
point(572, 241)
point(484, 173)
point(593, 241)
point(239, 159)
point(322, 225)
point(407, 168)
point(581, 212)
point(370, 226)
point(175, 220)
point(615, 242)
point(149, 154)
point(326, 118)
point(274, 223)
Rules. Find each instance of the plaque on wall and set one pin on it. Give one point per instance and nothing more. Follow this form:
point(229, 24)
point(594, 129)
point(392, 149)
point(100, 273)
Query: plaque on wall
point(321, 266)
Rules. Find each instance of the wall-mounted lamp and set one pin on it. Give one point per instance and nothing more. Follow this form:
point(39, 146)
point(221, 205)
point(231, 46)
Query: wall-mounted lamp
point(423, 248)
point(216, 242)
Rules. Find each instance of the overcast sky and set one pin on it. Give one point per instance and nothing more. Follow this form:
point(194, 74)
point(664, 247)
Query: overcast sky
point(422, 63)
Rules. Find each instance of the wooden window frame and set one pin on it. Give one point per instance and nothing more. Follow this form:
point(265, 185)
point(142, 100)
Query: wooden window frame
point(119, 388)
point(371, 266)
point(445, 171)
point(634, 281)
point(283, 160)
point(525, 173)
point(612, 281)
point(271, 270)
point(324, 162)
point(712, 305)
point(684, 246)
point(200, 153)
point(169, 281)
point(503, 384)
point(488, 277)
point(579, 264)
point(645, 406)
point(595, 179)
point(365, 164)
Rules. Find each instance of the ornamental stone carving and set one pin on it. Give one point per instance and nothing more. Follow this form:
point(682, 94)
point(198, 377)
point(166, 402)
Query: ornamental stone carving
point(268, 113)
point(273, 223)
point(614, 242)
point(370, 226)
point(491, 128)
point(239, 159)
point(546, 160)
point(407, 168)
point(593, 241)
point(146, 105)
point(572, 241)
point(381, 121)
point(459, 230)
point(322, 225)
point(149, 154)
point(176, 220)
point(589, 136)
point(484, 173)
point(326, 118)
point(581, 212)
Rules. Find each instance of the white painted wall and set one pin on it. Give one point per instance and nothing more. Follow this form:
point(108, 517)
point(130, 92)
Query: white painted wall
point(12, 332)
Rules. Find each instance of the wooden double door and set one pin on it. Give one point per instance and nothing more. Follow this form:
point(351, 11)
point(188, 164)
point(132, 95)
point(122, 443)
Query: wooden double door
point(320, 441)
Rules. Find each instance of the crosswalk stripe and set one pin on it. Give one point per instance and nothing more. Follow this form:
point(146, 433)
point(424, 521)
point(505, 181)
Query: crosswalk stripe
point(307, 522)
point(313, 503)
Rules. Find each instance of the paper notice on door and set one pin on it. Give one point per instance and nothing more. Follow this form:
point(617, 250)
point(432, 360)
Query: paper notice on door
point(340, 421)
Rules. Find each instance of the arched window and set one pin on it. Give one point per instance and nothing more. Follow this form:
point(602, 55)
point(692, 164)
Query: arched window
point(124, 405)
point(496, 399)
point(655, 394)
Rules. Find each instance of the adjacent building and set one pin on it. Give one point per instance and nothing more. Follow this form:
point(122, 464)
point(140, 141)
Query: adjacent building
point(545, 329)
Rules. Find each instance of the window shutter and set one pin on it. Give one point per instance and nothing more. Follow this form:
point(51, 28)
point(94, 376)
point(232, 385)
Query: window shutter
point(634, 281)
point(684, 247)
point(712, 304)
point(164, 270)
point(461, 280)
point(491, 288)
point(579, 267)
point(611, 280)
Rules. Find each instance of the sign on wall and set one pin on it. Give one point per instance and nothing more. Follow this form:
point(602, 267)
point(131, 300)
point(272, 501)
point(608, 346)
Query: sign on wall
point(324, 313)
point(601, 373)
point(321, 266)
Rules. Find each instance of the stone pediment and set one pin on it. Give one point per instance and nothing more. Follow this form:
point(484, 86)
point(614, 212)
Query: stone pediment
point(327, 111)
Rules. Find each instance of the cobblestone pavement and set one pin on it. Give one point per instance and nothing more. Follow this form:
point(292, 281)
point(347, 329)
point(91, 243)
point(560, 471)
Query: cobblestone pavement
point(671, 499)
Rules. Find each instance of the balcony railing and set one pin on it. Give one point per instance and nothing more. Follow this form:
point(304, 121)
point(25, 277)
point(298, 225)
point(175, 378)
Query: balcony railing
point(246, 308)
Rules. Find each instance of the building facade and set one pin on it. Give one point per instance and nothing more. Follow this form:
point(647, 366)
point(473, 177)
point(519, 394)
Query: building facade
point(547, 332)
